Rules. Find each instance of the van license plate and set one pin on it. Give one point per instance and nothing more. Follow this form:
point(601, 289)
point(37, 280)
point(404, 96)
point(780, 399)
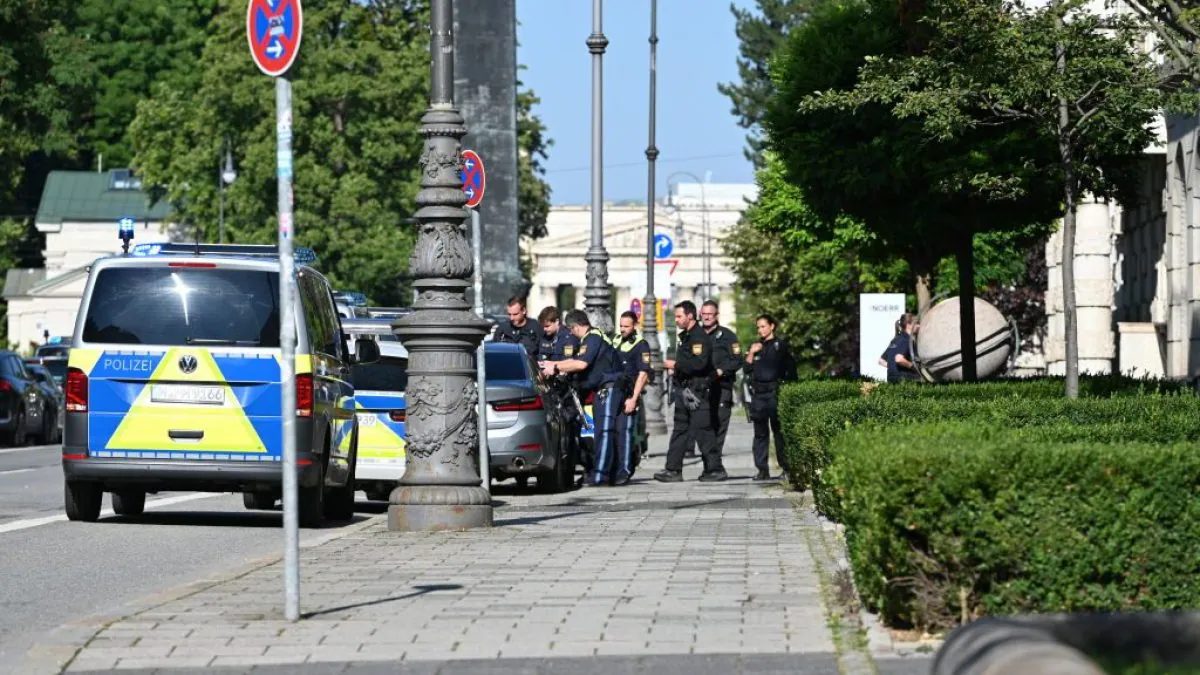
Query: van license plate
point(187, 393)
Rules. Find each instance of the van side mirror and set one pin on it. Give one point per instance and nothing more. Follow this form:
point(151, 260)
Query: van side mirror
point(366, 351)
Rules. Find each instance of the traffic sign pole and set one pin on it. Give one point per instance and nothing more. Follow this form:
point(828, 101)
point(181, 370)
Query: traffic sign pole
point(274, 29)
point(474, 181)
point(287, 340)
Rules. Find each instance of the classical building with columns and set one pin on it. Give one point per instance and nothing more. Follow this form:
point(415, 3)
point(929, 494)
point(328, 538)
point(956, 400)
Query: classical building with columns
point(693, 217)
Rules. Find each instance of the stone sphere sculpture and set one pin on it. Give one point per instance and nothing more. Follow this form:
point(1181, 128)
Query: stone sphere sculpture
point(937, 343)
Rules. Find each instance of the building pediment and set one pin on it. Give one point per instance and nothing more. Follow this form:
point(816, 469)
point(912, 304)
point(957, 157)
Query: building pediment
point(70, 283)
point(625, 236)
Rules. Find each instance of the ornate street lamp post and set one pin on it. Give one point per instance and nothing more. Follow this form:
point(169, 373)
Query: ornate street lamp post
point(655, 420)
point(441, 488)
point(597, 298)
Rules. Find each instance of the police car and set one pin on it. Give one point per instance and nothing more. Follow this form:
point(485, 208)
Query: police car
point(380, 406)
point(174, 383)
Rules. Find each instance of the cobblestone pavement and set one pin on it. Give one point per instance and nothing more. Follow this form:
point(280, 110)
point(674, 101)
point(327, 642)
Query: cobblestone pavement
point(685, 577)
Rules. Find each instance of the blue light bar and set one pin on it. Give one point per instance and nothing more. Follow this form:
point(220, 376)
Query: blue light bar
point(301, 254)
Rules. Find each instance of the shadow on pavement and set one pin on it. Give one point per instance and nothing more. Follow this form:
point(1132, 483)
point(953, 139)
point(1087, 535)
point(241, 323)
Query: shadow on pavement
point(420, 590)
point(533, 520)
point(216, 519)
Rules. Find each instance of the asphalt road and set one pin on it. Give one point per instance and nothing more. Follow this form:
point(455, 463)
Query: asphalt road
point(56, 571)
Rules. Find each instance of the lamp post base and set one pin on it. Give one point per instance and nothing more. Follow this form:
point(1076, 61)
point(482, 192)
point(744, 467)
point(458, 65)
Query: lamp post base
point(439, 508)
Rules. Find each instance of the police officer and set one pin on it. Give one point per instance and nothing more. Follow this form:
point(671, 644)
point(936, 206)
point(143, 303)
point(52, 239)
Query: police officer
point(727, 361)
point(518, 328)
point(557, 344)
point(769, 363)
point(633, 353)
point(596, 364)
point(693, 372)
point(895, 357)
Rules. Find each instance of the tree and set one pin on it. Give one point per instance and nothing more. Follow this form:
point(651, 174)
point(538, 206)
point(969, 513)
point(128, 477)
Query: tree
point(134, 44)
point(360, 86)
point(760, 36)
point(45, 76)
point(1079, 77)
point(1177, 27)
point(923, 198)
point(788, 266)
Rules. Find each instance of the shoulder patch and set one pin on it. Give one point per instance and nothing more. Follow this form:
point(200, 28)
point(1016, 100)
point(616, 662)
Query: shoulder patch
point(645, 357)
point(737, 349)
point(569, 350)
point(583, 349)
point(697, 349)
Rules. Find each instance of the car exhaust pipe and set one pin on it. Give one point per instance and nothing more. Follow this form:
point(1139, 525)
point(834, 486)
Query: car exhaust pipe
point(518, 463)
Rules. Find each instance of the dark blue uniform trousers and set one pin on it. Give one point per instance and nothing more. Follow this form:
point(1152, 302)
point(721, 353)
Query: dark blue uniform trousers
point(626, 429)
point(605, 405)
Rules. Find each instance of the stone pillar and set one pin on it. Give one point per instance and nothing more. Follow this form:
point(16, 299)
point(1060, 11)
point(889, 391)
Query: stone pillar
point(1094, 288)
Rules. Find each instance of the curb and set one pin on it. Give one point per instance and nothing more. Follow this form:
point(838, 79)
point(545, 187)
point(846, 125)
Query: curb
point(53, 653)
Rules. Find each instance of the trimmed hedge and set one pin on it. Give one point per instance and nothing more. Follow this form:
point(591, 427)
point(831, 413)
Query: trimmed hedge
point(809, 428)
point(950, 519)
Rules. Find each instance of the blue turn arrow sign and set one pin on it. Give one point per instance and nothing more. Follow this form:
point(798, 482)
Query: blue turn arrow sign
point(663, 246)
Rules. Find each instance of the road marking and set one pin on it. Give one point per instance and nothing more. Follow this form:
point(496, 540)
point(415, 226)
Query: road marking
point(12, 471)
point(166, 501)
point(9, 451)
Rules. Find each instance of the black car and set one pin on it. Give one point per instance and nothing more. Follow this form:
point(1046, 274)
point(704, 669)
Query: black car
point(22, 408)
point(57, 365)
point(52, 400)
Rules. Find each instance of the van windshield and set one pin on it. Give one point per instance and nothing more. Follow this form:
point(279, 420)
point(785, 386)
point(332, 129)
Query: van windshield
point(178, 306)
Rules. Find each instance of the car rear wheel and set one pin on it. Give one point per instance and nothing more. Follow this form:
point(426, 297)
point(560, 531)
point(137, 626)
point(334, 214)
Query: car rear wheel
point(129, 502)
point(83, 501)
point(312, 502)
point(19, 433)
point(258, 501)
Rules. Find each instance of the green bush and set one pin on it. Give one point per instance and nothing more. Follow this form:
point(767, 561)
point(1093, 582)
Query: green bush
point(945, 521)
point(811, 432)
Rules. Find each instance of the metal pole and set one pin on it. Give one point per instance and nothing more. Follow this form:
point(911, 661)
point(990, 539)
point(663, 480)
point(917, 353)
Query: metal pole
point(221, 189)
point(287, 341)
point(485, 457)
point(597, 298)
point(441, 487)
point(655, 420)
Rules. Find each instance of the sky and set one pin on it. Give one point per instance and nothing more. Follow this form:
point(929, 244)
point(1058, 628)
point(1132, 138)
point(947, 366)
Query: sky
point(696, 132)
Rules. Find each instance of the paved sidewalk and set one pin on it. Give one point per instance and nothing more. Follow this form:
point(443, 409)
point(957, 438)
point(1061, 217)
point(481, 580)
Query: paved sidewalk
point(685, 577)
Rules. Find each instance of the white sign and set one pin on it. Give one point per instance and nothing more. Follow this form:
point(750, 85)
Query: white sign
point(662, 282)
point(877, 315)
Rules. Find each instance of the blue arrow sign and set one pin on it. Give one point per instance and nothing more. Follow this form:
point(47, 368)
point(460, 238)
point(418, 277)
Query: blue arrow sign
point(663, 246)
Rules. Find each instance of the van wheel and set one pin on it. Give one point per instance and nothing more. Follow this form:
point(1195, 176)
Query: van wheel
point(339, 503)
point(83, 500)
point(129, 502)
point(312, 503)
point(258, 501)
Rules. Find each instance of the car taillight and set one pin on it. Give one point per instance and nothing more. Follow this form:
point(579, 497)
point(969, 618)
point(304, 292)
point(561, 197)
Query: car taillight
point(304, 395)
point(5, 386)
point(397, 415)
point(534, 403)
point(76, 391)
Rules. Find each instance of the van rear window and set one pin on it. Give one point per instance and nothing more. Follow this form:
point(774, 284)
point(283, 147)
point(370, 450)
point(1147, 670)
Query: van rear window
point(178, 306)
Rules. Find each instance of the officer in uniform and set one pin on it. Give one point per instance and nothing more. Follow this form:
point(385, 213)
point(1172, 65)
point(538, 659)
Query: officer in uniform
point(634, 355)
point(693, 372)
point(595, 362)
point(727, 361)
point(769, 362)
point(557, 344)
point(518, 328)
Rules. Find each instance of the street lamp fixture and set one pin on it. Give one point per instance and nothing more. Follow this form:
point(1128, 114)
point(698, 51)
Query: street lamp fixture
point(225, 177)
point(706, 283)
point(441, 488)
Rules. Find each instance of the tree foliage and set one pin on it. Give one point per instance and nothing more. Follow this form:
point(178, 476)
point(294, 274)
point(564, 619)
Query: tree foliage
point(789, 266)
point(533, 146)
point(759, 36)
point(1078, 78)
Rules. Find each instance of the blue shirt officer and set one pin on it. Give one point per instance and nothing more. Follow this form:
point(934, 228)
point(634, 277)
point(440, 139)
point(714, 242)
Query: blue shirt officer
point(633, 353)
point(599, 374)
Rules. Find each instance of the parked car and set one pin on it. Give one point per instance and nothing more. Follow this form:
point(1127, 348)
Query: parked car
point(53, 403)
point(53, 350)
point(57, 365)
point(379, 404)
point(527, 435)
point(22, 410)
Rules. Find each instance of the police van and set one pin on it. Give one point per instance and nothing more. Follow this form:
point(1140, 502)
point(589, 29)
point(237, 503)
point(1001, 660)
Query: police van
point(174, 383)
point(380, 404)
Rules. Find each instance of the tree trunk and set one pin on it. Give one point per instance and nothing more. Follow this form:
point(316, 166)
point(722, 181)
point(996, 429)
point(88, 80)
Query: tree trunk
point(965, 257)
point(1067, 156)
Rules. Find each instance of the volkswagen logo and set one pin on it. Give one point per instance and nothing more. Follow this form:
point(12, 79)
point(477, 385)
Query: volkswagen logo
point(187, 364)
